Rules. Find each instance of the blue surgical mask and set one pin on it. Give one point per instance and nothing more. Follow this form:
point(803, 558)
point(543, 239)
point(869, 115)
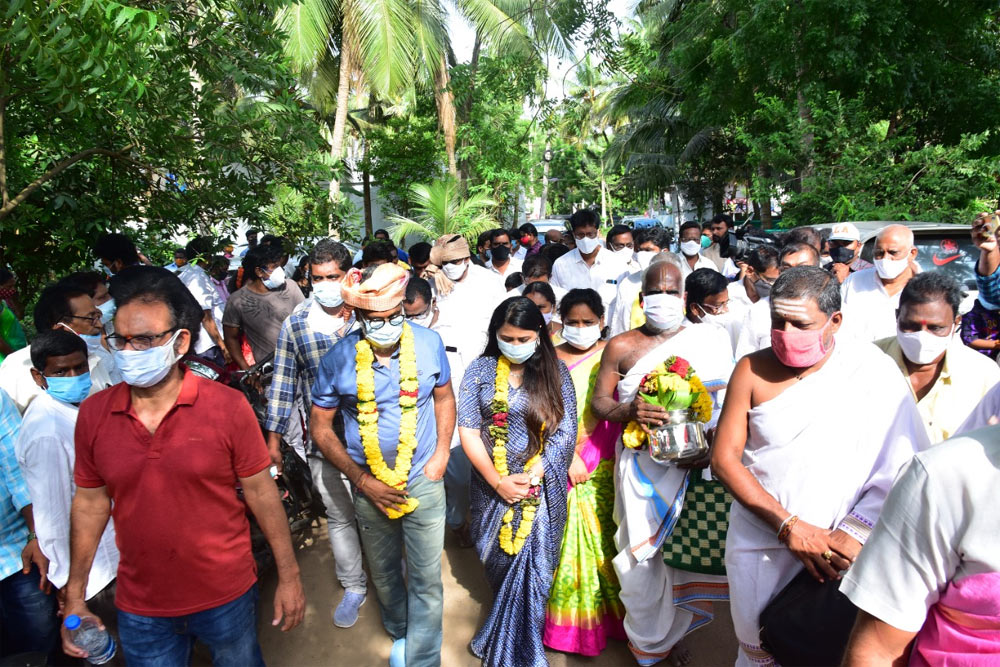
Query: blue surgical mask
point(385, 336)
point(328, 293)
point(276, 279)
point(144, 368)
point(93, 342)
point(107, 310)
point(517, 354)
point(69, 389)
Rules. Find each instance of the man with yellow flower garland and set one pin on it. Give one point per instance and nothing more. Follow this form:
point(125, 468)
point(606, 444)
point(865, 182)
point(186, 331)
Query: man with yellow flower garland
point(661, 602)
point(392, 381)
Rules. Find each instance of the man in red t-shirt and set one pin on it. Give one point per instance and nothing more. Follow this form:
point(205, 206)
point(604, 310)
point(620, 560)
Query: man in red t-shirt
point(168, 449)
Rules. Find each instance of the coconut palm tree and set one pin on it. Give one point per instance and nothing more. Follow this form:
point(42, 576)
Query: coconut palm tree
point(439, 209)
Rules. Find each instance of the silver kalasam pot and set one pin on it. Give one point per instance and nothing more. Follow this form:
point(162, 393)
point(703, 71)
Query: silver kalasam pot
point(680, 439)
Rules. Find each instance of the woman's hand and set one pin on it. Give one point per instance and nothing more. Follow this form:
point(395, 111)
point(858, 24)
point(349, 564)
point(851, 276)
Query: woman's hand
point(578, 470)
point(809, 544)
point(513, 488)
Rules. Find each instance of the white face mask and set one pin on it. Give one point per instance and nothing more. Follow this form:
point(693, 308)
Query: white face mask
point(587, 245)
point(690, 248)
point(626, 254)
point(327, 293)
point(107, 310)
point(664, 312)
point(721, 320)
point(424, 319)
point(144, 368)
point(643, 258)
point(923, 347)
point(582, 338)
point(517, 354)
point(322, 322)
point(890, 268)
point(455, 271)
point(276, 279)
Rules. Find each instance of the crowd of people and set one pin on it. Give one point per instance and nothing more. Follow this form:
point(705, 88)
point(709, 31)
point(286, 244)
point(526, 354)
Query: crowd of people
point(500, 391)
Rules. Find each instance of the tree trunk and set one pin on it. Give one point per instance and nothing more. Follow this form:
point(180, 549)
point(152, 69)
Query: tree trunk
point(366, 188)
point(545, 182)
point(446, 112)
point(466, 110)
point(765, 199)
point(4, 193)
point(340, 119)
point(604, 190)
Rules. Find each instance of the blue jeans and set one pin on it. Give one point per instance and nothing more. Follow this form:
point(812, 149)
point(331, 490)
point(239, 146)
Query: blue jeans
point(412, 607)
point(230, 631)
point(28, 615)
point(457, 477)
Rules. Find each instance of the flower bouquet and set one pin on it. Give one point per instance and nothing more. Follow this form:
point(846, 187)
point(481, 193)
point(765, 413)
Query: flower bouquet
point(673, 386)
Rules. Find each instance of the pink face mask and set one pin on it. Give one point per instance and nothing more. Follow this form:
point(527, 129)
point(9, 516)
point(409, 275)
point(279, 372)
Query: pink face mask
point(800, 349)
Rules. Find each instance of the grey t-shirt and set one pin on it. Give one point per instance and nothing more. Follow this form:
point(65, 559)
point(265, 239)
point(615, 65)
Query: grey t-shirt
point(260, 315)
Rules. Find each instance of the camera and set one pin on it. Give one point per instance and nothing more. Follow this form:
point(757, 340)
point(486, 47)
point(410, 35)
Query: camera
point(738, 244)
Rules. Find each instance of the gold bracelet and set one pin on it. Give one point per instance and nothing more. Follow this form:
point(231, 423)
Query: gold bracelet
point(497, 485)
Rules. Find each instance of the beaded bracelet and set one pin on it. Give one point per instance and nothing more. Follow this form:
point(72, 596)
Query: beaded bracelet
point(786, 527)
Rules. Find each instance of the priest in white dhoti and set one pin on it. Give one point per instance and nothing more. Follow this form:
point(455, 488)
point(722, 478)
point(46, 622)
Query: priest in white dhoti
point(662, 604)
point(812, 434)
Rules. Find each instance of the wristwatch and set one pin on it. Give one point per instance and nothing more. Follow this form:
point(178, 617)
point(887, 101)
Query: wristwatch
point(31, 536)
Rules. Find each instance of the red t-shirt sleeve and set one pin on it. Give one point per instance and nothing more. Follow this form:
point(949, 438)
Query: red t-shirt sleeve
point(85, 472)
point(249, 451)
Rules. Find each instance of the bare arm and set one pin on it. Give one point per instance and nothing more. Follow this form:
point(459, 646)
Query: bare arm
point(321, 423)
point(231, 338)
point(989, 249)
point(875, 643)
point(262, 498)
point(510, 488)
point(444, 415)
point(208, 321)
point(603, 402)
point(89, 515)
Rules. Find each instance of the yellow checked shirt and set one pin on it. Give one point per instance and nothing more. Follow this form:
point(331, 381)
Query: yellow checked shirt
point(964, 380)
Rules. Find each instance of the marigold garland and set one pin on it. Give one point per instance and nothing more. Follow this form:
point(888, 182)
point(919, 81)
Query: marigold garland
point(368, 417)
point(673, 381)
point(511, 542)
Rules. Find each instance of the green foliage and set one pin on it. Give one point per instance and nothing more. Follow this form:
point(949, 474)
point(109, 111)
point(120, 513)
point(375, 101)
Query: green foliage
point(439, 209)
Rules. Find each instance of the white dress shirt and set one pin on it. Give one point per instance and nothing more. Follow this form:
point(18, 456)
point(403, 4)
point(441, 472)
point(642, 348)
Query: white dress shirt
point(620, 313)
point(869, 311)
point(513, 266)
point(198, 282)
point(702, 263)
point(755, 334)
point(571, 272)
point(15, 377)
point(46, 455)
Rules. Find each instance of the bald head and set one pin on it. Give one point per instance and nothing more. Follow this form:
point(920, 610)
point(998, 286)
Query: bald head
point(894, 242)
point(663, 277)
point(900, 234)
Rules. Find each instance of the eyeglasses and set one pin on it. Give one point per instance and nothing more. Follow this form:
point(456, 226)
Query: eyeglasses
point(376, 324)
point(715, 310)
point(620, 246)
point(93, 317)
point(120, 342)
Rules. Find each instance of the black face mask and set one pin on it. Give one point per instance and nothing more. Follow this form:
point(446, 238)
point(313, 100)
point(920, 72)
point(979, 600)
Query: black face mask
point(500, 254)
point(842, 255)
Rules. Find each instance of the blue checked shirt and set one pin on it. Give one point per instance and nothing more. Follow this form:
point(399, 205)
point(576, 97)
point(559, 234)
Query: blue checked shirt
point(296, 362)
point(13, 491)
point(989, 289)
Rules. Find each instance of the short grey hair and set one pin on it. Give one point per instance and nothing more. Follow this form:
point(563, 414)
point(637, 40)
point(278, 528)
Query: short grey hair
point(808, 282)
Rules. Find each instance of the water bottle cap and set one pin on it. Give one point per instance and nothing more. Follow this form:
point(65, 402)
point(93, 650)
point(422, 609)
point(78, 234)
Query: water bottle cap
point(72, 622)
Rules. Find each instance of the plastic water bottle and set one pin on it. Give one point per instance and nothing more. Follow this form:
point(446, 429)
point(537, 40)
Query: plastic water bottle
point(87, 634)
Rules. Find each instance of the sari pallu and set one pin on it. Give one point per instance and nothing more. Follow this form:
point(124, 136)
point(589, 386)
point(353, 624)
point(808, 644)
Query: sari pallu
point(584, 609)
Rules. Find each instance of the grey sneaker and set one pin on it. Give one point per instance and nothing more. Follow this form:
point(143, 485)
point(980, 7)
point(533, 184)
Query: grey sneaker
point(346, 613)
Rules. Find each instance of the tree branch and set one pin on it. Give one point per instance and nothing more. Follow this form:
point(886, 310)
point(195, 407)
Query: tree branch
point(57, 169)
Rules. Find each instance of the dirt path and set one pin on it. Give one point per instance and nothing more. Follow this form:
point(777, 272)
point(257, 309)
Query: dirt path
point(319, 643)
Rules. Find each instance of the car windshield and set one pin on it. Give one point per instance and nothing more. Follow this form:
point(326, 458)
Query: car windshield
point(952, 253)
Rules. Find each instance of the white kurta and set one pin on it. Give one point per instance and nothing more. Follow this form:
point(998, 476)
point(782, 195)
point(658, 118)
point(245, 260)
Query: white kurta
point(755, 333)
point(646, 492)
point(828, 450)
point(869, 311)
point(571, 272)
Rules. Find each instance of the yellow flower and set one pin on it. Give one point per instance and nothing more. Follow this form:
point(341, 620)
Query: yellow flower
point(633, 437)
point(702, 405)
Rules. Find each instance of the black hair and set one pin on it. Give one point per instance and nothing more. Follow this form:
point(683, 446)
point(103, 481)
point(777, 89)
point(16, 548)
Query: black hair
point(690, 224)
point(552, 252)
point(542, 371)
point(762, 258)
point(84, 280)
point(258, 257)
point(53, 305)
point(483, 238)
point(376, 233)
point(5, 275)
point(587, 297)
point(808, 282)
point(585, 217)
point(544, 289)
point(529, 229)
point(252, 232)
point(152, 284)
point(706, 226)
point(797, 247)
point(722, 217)
point(498, 232)
point(420, 252)
point(701, 284)
point(378, 251)
point(114, 246)
point(180, 252)
point(930, 286)
point(201, 246)
point(55, 343)
point(536, 266)
point(513, 281)
point(656, 235)
point(418, 287)
point(328, 250)
point(617, 230)
point(807, 235)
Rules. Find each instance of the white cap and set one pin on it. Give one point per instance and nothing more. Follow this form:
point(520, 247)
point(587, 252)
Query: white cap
point(845, 231)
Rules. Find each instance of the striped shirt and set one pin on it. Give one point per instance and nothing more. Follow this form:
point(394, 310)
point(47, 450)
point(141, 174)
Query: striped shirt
point(13, 491)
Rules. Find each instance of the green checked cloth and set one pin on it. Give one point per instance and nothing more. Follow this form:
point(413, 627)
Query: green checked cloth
point(698, 543)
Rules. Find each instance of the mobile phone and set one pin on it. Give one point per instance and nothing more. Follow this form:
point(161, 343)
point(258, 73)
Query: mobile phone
point(987, 225)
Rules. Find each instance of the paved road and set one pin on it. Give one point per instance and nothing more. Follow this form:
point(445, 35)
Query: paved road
point(466, 597)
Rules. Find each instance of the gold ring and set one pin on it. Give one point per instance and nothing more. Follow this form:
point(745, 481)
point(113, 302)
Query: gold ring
point(828, 555)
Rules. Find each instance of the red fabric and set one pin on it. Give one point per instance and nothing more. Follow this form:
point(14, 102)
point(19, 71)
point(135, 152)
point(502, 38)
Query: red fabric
point(182, 531)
